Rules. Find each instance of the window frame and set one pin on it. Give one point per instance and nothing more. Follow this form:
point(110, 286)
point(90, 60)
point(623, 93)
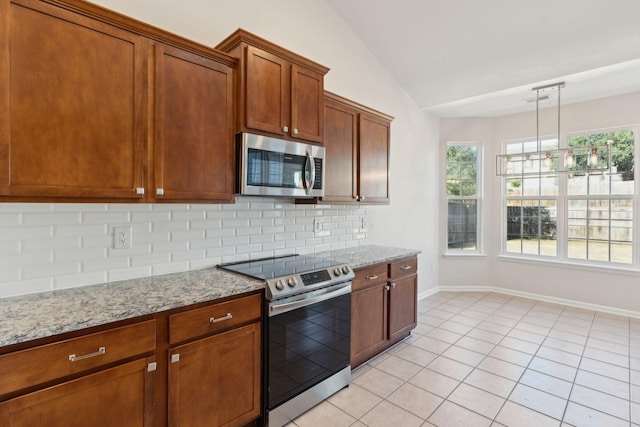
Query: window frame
point(478, 198)
point(563, 201)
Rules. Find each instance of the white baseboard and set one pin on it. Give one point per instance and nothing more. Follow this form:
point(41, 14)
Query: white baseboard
point(539, 297)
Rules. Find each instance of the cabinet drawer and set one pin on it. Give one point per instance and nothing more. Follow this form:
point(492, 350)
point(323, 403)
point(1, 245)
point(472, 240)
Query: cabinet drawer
point(214, 318)
point(370, 276)
point(38, 365)
point(403, 267)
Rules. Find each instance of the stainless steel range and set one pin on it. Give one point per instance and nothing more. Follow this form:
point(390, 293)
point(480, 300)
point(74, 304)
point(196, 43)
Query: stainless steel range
point(307, 331)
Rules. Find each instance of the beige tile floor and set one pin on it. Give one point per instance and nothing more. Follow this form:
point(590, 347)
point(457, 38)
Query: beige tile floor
point(486, 359)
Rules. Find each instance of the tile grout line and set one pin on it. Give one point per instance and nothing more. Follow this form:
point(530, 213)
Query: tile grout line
point(440, 355)
point(525, 368)
point(566, 406)
point(484, 357)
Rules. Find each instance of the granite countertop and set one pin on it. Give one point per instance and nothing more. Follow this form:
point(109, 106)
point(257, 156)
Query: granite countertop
point(33, 316)
point(364, 256)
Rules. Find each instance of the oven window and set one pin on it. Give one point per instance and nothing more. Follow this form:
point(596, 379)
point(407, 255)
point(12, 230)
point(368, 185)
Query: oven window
point(306, 346)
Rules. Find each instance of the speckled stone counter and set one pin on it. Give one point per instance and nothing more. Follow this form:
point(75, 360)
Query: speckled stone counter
point(41, 315)
point(364, 256)
point(29, 317)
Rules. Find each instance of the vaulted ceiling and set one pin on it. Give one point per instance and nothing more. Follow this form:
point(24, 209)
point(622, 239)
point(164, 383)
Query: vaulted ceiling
point(482, 57)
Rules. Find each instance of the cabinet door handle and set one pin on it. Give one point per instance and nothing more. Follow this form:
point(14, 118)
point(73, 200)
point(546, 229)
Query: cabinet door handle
point(140, 191)
point(159, 191)
point(387, 288)
point(406, 267)
point(74, 358)
point(285, 129)
point(295, 131)
point(175, 358)
point(393, 285)
point(374, 277)
point(220, 319)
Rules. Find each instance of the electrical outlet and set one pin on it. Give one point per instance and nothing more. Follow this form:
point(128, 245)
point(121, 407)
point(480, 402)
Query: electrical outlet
point(364, 223)
point(122, 237)
point(317, 226)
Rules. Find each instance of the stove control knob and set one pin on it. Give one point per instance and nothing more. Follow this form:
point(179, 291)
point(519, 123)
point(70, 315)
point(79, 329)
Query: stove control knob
point(292, 282)
point(279, 285)
point(337, 271)
point(346, 269)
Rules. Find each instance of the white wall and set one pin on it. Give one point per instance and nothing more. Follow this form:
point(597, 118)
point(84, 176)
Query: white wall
point(44, 246)
point(605, 287)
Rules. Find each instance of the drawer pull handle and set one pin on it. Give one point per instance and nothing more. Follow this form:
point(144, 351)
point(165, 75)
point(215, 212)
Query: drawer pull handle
point(220, 319)
point(74, 358)
point(374, 277)
point(406, 267)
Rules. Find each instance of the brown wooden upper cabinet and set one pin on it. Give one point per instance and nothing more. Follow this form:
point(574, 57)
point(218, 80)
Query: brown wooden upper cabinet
point(194, 141)
point(87, 113)
point(279, 92)
point(72, 94)
point(357, 158)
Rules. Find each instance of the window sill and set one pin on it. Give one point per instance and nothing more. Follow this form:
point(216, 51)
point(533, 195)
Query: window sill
point(568, 264)
point(463, 255)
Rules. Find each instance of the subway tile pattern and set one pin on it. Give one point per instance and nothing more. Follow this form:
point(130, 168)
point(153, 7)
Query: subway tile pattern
point(486, 359)
point(53, 246)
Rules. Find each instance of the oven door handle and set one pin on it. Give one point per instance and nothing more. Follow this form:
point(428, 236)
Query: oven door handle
point(288, 306)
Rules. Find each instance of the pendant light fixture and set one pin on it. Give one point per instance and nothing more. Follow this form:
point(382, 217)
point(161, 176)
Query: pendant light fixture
point(589, 159)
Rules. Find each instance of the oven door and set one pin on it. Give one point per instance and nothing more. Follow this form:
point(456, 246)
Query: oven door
point(308, 342)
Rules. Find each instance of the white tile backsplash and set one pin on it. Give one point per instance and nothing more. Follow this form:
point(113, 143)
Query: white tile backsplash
point(60, 245)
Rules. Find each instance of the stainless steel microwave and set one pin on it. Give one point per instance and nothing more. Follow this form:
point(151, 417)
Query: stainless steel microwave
point(277, 167)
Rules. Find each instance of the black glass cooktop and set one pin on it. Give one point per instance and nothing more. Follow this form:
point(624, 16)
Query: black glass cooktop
point(271, 268)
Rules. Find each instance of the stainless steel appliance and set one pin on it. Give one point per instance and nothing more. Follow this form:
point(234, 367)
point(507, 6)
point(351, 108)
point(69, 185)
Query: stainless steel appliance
point(307, 331)
point(276, 167)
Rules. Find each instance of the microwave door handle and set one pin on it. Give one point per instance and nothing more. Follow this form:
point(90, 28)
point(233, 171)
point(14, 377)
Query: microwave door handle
point(311, 164)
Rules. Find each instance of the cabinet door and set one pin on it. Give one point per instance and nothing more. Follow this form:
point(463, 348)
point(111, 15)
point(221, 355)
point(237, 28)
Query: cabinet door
point(120, 396)
point(194, 144)
point(368, 322)
point(402, 306)
point(215, 381)
point(266, 91)
point(374, 159)
point(340, 135)
point(72, 105)
point(307, 102)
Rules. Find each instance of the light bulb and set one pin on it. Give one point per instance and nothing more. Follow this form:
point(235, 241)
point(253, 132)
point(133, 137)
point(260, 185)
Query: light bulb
point(569, 162)
point(594, 157)
point(528, 164)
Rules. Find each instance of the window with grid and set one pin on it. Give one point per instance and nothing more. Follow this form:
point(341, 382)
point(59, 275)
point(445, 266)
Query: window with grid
point(587, 217)
point(600, 206)
point(531, 204)
point(463, 197)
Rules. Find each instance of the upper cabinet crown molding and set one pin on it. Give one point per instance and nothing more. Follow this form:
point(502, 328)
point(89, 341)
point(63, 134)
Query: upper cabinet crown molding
point(240, 36)
point(111, 17)
point(361, 108)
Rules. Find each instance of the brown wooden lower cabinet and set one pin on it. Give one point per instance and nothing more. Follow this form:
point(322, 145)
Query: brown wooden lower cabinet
point(215, 381)
point(187, 367)
point(383, 307)
point(119, 396)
